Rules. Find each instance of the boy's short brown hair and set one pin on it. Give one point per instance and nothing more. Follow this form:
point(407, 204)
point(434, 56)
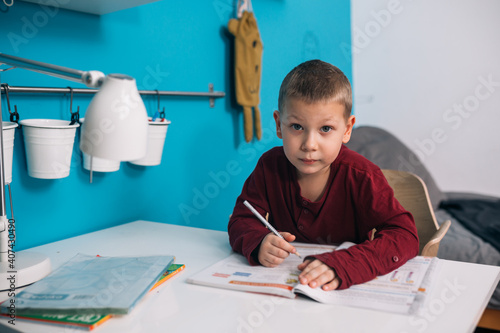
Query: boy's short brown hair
point(316, 81)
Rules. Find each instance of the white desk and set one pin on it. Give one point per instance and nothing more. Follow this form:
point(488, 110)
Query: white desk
point(456, 305)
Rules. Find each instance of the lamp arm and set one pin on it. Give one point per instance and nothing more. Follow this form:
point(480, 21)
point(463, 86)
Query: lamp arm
point(91, 79)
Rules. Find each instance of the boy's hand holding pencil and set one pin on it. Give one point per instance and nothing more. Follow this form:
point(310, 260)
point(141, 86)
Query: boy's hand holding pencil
point(275, 247)
point(274, 250)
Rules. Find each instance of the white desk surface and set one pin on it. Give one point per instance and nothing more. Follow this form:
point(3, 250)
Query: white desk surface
point(456, 303)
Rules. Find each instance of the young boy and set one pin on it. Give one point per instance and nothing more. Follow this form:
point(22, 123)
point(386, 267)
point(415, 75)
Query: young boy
point(316, 190)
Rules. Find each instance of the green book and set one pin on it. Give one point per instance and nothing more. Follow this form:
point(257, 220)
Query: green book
point(86, 321)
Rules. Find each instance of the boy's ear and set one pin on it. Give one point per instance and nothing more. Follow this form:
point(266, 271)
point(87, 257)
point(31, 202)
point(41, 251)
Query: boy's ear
point(348, 131)
point(276, 116)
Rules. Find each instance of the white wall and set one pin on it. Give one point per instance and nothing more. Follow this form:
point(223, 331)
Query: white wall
point(421, 70)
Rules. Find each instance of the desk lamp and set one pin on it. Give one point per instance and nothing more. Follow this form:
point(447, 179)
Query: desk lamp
point(115, 128)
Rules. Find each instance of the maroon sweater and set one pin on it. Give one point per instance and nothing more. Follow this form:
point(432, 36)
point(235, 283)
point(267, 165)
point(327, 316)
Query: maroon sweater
point(357, 199)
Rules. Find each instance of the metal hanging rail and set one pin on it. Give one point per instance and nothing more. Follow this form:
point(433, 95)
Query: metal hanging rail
point(211, 94)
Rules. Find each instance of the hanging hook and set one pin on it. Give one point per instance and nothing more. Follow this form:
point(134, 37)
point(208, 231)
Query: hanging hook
point(70, 100)
point(158, 94)
point(8, 4)
point(243, 5)
point(14, 116)
point(75, 116)
point(157, 113)
point(6, 88)
point(162, 114)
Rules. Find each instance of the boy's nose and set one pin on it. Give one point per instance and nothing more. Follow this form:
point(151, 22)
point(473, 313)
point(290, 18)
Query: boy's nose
point(310, 143)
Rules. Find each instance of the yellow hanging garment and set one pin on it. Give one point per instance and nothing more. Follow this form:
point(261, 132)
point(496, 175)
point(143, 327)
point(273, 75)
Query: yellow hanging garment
point(248, 60)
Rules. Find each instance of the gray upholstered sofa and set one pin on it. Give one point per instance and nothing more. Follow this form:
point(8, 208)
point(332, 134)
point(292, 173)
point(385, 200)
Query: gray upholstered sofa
point(460, 243)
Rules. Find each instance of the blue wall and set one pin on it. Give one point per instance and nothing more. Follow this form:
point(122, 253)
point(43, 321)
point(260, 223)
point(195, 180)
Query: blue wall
point(167, 45)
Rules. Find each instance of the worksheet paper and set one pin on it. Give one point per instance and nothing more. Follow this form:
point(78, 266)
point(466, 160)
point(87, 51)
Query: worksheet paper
point(393, 292)
point(235, 273)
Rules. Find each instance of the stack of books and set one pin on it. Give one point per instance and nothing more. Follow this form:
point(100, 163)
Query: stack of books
point(87, 291)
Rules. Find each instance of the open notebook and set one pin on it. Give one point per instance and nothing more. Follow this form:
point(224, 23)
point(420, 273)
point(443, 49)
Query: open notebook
point(394, 292)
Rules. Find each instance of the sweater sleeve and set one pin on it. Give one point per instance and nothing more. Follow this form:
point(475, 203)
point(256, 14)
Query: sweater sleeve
point(395, 240)
point(245, 230)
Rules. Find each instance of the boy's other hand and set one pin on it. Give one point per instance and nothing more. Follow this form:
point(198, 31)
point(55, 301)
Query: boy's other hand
point(273, 250)
point(315, 273)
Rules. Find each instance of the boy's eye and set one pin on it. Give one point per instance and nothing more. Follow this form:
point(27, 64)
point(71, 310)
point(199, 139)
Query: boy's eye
point(296, 127)
point(326, 129)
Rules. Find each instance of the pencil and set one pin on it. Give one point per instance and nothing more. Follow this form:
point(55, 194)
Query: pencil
point(267, 224)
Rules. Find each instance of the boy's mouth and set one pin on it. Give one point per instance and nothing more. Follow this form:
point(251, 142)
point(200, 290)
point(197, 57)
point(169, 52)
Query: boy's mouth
point(307, 161)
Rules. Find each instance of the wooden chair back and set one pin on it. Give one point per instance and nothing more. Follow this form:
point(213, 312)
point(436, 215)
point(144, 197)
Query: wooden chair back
point(411, 192)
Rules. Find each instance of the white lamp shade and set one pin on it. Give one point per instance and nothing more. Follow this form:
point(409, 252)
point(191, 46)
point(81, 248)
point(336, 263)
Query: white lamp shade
point(116, 121)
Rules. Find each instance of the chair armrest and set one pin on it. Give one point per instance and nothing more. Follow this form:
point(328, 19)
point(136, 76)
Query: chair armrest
point(431, 248)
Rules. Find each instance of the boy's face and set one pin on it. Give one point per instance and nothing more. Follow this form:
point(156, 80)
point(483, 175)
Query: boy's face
point(312, 134)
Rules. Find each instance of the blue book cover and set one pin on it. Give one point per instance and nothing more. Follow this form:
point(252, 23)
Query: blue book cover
point(89, 284)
